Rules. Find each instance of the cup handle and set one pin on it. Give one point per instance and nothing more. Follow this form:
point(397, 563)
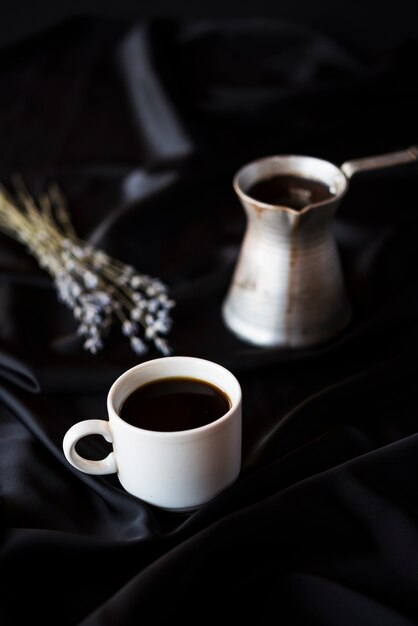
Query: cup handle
point(83, 429)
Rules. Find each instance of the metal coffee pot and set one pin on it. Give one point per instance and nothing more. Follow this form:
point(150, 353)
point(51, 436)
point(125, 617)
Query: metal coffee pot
point(288, 286)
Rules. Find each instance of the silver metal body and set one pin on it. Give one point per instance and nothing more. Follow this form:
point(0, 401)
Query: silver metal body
point(288, 286)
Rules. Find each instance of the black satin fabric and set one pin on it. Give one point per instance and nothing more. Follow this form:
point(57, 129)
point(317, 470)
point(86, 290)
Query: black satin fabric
point(143, 124)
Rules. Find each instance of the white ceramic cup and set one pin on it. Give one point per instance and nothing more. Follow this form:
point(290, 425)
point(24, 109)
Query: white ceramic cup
point(176, 469)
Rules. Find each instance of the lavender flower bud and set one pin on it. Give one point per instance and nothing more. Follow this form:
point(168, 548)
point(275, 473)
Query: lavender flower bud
point(90, 280)
point(129, 328)
point(138, 346)
point(136, 281)
point(93, 344)
point(78, 252)
point(153, 305)
point(136, 314)
point(162, 346)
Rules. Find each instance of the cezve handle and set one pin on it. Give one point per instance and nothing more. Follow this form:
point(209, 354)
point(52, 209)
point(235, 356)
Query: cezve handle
point(376, 162)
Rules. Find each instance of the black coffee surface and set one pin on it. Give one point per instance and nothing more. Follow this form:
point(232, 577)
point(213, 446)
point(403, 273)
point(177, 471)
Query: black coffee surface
point(171, 404)
point(290, 191)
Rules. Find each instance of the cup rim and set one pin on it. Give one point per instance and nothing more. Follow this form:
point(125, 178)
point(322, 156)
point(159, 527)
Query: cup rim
point(171, 434)
point(283, 157)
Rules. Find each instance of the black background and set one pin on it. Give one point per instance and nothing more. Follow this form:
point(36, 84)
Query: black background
point(322, 525)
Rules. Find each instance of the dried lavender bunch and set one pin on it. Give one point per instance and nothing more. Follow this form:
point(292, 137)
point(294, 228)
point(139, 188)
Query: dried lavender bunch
point(96, 287)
